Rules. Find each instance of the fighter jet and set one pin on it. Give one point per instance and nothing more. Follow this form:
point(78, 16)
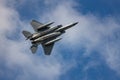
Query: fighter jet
point(45, 35)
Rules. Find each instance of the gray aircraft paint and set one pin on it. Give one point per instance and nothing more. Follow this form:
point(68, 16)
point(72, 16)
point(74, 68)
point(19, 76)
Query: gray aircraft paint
point(45, 35)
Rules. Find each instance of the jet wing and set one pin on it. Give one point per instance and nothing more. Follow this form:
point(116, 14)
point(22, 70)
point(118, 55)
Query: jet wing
point(35, 24)
point(47, 48)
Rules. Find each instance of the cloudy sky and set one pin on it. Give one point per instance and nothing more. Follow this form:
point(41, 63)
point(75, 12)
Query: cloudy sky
point(88, 51)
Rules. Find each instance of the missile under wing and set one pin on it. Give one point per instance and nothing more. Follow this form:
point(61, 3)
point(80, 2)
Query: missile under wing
point(39, 27)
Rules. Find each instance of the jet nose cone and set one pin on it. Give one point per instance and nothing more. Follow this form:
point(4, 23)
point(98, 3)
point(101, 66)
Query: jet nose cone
point(76, 23)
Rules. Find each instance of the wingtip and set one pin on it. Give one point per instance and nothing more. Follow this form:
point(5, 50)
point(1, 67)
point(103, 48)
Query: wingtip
point(33, 21)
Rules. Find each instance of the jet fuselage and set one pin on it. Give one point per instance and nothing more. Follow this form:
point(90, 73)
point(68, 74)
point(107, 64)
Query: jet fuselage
point(37, 35)
point(45, 35)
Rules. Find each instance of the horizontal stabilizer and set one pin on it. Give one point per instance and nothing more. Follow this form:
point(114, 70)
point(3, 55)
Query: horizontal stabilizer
point(27, 34)
point(33, 48)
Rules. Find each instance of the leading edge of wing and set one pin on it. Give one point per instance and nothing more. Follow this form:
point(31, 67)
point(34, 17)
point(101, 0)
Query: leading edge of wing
point(48, 48)
point(35, 24)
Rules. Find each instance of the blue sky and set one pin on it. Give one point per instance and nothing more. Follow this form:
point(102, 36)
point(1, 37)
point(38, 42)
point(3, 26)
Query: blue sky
point(97, 7)
point(88, 51)
point(101, 7)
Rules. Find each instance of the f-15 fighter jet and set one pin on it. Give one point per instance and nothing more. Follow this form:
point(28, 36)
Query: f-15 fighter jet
point(45, 35)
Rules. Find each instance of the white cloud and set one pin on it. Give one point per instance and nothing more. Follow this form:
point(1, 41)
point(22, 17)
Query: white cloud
point(91, 33)
point(14, 54)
